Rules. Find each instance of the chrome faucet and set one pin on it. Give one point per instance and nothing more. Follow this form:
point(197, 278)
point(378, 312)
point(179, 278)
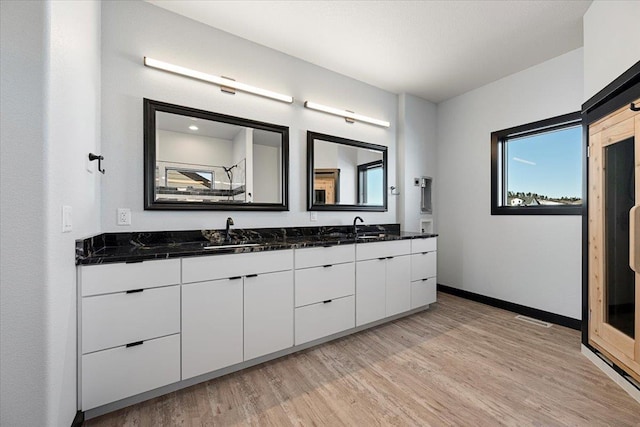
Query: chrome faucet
point(227, 236)
point(355, 227)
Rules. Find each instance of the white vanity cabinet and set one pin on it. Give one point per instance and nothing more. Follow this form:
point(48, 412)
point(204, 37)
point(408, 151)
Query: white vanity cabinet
point(154, 326)
point(383, 280)
point(423, 271)
point(129, 329)
point(234, 308)
point(324, 291)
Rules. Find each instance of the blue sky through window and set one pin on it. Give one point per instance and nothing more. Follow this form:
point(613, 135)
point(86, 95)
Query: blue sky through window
point(548, 164)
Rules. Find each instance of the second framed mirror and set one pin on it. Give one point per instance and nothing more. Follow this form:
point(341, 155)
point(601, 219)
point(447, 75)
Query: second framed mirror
point(345, 175)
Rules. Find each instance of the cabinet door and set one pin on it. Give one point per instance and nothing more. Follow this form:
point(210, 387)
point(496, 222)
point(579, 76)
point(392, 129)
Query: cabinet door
point(211, 326)
point(268, 313)
point(398, 284)
point(423, 292)
point(370, 290)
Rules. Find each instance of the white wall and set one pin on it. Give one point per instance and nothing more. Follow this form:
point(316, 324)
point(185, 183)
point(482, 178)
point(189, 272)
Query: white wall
point(266, 176)
point(132, 30)
point(74, 131)
point(611, 42)
point(417, 148)
point(50, 122)
point(23, 322)
point(193, 149)
point(530, 260)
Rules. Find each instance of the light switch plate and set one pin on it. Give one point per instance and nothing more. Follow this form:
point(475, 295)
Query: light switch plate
point(123, 216)
point(313, 216)
point(67, 219)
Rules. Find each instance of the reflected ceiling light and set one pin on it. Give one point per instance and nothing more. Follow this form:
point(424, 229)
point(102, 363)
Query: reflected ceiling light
point(223, 82)
point(349, 116)
point(193, 127)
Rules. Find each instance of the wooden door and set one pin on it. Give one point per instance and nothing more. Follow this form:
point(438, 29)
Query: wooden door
point(614, 237)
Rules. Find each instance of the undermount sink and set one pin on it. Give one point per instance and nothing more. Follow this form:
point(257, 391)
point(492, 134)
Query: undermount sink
point(369, 237)
point(231, 246)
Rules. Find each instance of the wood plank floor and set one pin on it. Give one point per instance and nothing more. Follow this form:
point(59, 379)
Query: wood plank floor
point(459, 363)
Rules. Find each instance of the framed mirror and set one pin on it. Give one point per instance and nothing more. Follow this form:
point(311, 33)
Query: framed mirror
point(195, 159)
point(345, 175)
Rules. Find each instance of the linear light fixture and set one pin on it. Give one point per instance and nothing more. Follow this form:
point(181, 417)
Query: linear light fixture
point(223, 82)
point(349, 116)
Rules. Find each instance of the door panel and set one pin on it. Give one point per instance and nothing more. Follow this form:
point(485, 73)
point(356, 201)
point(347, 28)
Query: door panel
point(614, 191)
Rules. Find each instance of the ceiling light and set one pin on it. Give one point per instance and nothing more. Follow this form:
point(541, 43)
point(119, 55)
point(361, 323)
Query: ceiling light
point(220, 81)
point(193, 127)
point(349, 116)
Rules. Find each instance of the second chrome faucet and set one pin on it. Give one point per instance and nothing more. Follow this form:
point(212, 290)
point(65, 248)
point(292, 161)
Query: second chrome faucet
point(227, 235)
point(355, 227)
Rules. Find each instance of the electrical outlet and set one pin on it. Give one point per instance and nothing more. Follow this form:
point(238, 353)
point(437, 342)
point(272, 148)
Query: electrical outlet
point(124, 216)
point(313, 216)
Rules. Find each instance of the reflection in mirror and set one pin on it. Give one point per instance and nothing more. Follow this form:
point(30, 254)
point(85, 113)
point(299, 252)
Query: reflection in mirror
point(200, 160)
point(345, 174)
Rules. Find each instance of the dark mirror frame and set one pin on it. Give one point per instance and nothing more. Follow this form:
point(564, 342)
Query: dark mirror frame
point(150, 109)
point(311, 205)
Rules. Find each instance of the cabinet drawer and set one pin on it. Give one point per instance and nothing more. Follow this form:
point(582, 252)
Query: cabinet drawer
point(109, 278)
point(423, 265)
point(423, 292)
point(382, 249)
point(323, 283)
point(315, 257)
point(121, 372)
point(118, 319)
point(199, 269)
point(323, 319)
point(428, 244)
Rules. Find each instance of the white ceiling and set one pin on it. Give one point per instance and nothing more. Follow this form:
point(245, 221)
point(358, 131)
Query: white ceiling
point(432, 49)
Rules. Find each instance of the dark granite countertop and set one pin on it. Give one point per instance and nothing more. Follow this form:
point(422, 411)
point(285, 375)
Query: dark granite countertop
point(140, 246)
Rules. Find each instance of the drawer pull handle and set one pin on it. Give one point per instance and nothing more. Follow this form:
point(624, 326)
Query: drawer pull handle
point(135, 291)
point(328, 265)
point(424, 280)
point(133, 344)
point(424, 253)
point(235, 277)
point(327, 301)
point(252, 275)
point(382, 259)
point(390, 257)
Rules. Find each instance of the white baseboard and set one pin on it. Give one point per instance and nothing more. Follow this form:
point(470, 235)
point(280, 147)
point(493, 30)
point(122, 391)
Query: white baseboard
point(611, 373)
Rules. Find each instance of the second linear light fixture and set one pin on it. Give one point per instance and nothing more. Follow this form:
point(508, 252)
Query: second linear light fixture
point(349, 116)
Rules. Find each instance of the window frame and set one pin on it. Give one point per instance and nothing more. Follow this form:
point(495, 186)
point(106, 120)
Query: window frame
point(498, 171)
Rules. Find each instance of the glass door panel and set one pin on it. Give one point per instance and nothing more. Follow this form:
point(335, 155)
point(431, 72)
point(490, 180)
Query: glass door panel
point(619, 198)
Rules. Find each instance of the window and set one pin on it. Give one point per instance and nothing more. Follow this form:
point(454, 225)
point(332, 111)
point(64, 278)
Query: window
point(536, 169)
point(370, 183)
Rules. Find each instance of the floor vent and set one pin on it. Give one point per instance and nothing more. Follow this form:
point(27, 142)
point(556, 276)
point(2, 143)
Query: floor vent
point(534, 321)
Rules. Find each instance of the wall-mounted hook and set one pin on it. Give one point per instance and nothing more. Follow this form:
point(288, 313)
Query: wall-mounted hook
point(93, 157)
point(633, 107)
